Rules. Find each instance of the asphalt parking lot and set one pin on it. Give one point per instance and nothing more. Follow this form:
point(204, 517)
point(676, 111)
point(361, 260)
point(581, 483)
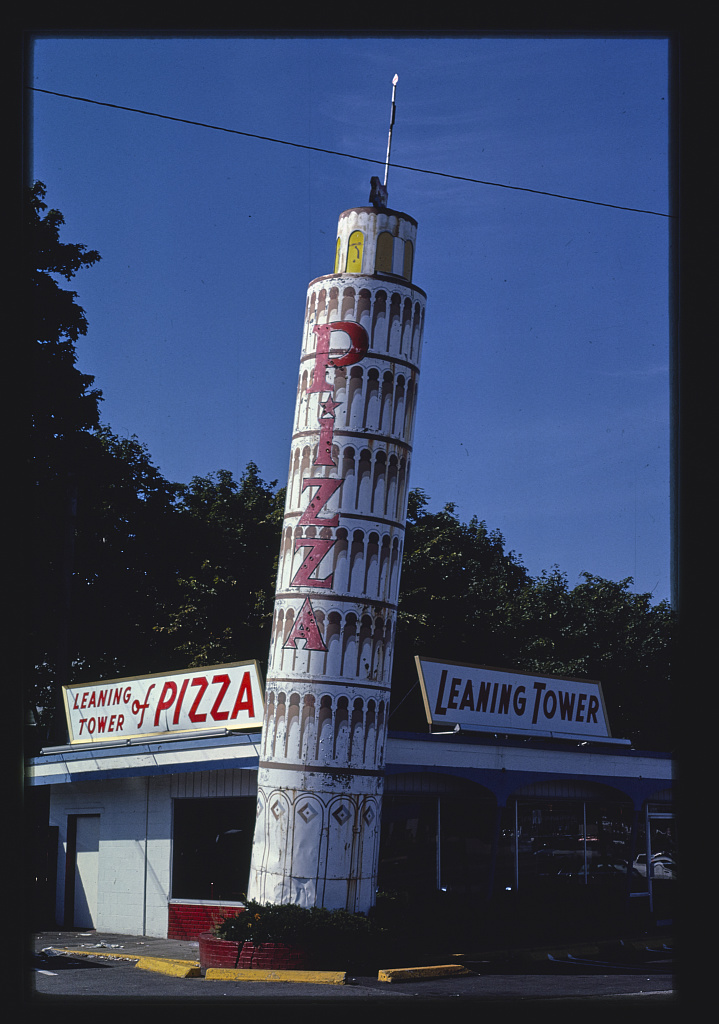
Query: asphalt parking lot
point(103, 970)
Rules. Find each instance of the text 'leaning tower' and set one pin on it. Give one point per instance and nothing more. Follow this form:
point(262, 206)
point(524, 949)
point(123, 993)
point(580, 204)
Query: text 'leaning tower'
point(327, 690)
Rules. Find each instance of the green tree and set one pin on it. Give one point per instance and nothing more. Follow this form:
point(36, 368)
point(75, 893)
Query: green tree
point(220, 609)
point(464, 599)
point(63, 409)
point(63, 404)
point(456, 593)
point(601, 630)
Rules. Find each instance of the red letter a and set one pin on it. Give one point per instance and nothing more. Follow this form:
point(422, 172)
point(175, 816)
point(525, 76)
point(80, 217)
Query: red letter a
point(306, 628)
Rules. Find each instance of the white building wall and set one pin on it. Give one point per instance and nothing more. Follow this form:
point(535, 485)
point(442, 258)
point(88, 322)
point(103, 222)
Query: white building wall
point(135, 850)
point(135, 855)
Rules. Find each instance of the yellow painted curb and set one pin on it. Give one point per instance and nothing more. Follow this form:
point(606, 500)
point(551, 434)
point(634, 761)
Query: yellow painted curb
point(175, 968)
point(417, 973)
point(252, 974)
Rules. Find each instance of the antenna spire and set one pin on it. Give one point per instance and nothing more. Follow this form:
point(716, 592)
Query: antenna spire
point(391, 126)
point(378, 192)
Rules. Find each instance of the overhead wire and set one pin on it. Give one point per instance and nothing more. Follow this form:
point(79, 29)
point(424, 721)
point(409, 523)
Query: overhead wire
point(350, 156)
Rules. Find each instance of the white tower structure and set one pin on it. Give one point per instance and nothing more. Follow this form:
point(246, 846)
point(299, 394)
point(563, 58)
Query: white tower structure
point(328, 681)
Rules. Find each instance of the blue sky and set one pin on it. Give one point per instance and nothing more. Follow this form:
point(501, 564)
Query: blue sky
point(544, 390)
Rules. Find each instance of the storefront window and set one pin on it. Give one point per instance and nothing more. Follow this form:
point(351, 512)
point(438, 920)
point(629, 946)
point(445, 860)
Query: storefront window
point(212, 847)
point(436, 841)
point(550, 841)
point(408, 844)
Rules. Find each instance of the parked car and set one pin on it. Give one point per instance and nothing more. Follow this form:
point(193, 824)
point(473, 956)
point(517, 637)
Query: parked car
point(661, 865)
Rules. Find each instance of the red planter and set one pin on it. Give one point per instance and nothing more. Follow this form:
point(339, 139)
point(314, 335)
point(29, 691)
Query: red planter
point(216, 952)
point(270, 956)
point(273, 956)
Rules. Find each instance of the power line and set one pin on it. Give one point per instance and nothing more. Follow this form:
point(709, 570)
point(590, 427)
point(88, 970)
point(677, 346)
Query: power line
point(349, 156)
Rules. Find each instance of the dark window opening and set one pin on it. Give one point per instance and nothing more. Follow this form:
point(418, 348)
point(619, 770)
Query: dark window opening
point(212, 847)
point(435, 841)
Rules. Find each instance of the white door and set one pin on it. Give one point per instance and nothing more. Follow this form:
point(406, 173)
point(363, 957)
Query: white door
point(87, 853)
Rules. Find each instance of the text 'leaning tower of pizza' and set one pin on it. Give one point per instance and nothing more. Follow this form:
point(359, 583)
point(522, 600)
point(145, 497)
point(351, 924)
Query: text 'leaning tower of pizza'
point(328, 680)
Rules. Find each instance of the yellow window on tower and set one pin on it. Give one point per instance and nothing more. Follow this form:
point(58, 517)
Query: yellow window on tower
point(337, 256)
point(408, 256)
point(354, 252)
point(383, 260)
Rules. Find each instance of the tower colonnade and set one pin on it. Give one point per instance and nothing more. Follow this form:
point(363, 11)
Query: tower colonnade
point(329, 672)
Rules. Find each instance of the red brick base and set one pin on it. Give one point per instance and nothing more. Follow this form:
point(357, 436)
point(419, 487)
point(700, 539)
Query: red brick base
point(189, 920)
point(270, 956)
point(273, 956)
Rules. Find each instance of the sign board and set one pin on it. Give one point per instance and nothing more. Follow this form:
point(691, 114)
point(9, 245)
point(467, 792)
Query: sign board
point(512, 702)
point(166, 703)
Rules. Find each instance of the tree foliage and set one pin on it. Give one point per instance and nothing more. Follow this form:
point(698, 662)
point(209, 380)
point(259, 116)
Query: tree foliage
point(63, 410)
point(220, 609)
point(463, 598)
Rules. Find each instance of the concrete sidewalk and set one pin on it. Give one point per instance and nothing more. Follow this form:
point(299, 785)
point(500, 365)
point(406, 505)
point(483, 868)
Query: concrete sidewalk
point(111, 946)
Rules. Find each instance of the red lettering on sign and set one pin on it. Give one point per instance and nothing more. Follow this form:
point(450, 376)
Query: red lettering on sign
point(169, 692)
point(224, 680)
point(137, 706)
point(306, 628)
point(176, 716)
point(320, 546)
point(203, 684)
point(244, 701)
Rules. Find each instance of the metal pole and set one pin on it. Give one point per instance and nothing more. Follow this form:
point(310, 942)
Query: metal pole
point(516, 845)
point(439, 842)
point(391, 125)
point(584, 804)
point(147, 828)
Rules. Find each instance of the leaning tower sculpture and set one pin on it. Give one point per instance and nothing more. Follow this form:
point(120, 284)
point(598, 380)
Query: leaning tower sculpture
point(327, 689)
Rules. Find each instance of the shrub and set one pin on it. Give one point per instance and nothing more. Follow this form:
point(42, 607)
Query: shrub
point(331, 936)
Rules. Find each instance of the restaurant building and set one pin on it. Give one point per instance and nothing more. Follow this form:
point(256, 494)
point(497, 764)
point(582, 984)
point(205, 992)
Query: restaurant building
point(517, 786)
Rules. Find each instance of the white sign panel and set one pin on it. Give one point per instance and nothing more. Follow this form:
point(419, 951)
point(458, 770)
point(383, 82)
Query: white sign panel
point(168, 702)
point(496, 700)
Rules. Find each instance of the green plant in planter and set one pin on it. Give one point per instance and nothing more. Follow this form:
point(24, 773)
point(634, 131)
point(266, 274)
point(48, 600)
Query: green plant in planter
point(331, 936)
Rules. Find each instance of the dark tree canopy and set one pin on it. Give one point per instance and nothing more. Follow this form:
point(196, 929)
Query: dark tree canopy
point(220, 608)
point(464, 599)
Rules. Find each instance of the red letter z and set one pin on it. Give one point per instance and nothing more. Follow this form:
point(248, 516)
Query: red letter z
point(320, 547)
